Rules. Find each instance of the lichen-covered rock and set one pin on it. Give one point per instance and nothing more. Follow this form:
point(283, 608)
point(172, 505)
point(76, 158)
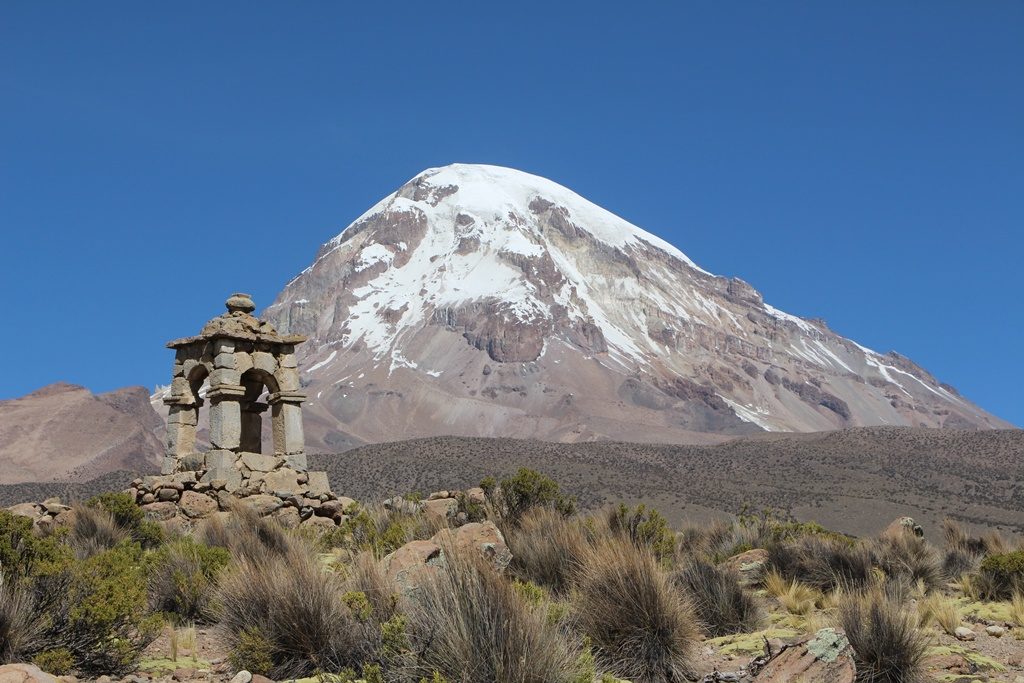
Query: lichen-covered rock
point(824, 658)
point(748, 565)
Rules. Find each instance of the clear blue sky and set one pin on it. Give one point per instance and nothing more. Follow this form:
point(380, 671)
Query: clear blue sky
point(859, 162)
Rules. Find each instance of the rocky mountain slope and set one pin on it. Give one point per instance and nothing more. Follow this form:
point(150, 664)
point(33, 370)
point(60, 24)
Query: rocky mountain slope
point(483, 301)
point(64, 432)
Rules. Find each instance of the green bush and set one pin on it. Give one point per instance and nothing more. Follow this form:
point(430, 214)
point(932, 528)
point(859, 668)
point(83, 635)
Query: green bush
point(129, 517)
point(58, 661)
point(1001, 575)
point(644, 527)
point(94, 609)
point(183, 578)
point(528, 489)
point(23, 553)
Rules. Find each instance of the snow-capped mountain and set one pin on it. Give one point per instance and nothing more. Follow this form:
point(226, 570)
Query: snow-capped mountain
point(480, 300)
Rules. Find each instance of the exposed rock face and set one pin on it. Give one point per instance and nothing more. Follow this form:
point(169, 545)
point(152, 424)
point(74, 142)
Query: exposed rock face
point(825, 658)
point(64, 432)
point(482, 301)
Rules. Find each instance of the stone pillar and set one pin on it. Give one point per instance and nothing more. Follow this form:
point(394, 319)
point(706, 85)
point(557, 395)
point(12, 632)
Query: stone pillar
point(226, 417)
point(181, 430)
point(252, 426)
point(287, 422)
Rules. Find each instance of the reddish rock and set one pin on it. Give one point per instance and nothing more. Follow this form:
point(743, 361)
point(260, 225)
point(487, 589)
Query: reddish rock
point(825, 658)
point(415, 560)
point(482, 537)
point(161, 511)
point(197, 505)
point(24, 673)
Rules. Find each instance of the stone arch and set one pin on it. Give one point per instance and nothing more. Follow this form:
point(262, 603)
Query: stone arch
point(255, 381)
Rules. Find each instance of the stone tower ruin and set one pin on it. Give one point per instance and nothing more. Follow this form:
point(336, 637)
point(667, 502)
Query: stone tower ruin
point(250, 369)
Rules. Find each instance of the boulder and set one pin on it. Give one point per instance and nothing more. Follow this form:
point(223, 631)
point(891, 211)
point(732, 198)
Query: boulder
point(30, 510)
point(160, 512)
point(748, 565)
point(963, 633)
point(482, 537)
point(197, 505)
point(399, 504)
point(824, 658)
point(408, 565)
point(288, 517)
point(320, 523)
point(995, 631)
point(282, 481)
point(317, 483)
point(441, 508)
point(24, 673)
point(476, 495)
point(263, 504)
point(257, 462)
point(904, 525)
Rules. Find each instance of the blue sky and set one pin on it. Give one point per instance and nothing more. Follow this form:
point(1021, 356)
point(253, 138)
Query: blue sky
point(859, 162)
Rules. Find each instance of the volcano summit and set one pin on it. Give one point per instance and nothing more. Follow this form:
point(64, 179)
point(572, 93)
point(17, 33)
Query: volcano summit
point(483, 301)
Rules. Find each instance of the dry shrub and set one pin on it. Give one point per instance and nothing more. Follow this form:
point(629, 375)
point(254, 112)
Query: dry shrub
point(1017, 608)
point(824, 563)
point(247, 535)
point(547, 548)
point(19, 624)
point(641, 626)
point(183, 579)
point(887, 645)
point(470, 624)
point(709, 540)
point(907, 557)
point(94, 530)
point(285, 617)
point(719, 601)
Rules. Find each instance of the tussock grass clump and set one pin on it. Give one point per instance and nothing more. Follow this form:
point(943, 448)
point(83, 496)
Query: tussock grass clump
point(909, 558)
point(94, 530)
point(641, 626)
point(547, 548)
point(719, 601)
point(713, 540)
point(468, 623)
point(940, 610)
point(183, 579)
point(247, 535)
point(794, 597)
point(887, 645)
point(824, 563)
point(19, 625)
point(285, 617)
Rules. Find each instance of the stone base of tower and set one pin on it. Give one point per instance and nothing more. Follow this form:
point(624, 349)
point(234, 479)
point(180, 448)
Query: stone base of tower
point(203, 484)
